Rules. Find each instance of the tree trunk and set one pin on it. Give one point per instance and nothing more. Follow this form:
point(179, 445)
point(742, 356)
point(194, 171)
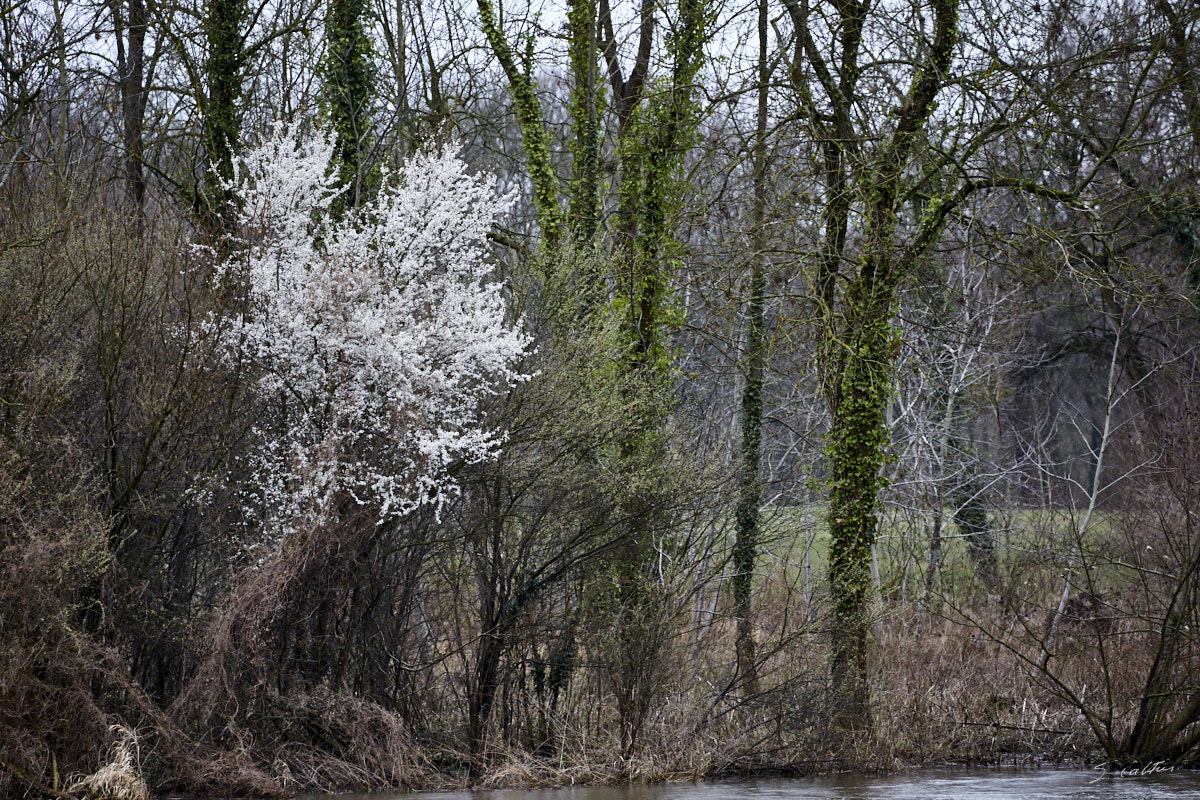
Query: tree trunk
point(349, 75)
point(971, 517)
point(222, 120)
point(745, 550)
point(935, 557)
point(858, 441)
point(585, 123)
point(534, 138)
point(131, 50)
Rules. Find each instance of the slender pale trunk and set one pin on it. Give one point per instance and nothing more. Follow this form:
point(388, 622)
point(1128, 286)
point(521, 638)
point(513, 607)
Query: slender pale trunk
point(63, 116)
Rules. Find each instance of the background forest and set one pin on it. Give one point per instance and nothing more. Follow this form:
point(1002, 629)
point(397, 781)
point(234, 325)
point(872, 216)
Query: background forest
point(416, 392)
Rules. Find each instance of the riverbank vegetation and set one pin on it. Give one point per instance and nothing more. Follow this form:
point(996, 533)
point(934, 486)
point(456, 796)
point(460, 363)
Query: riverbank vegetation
point(438, 393)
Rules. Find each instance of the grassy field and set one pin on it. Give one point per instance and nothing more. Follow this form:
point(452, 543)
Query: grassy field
point(1032, 545)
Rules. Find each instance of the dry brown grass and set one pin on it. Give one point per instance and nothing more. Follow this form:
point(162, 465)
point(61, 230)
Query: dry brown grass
point(120, 778)
point(948, 693)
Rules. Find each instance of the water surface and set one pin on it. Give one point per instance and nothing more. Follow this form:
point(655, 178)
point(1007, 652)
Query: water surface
point(977, 784)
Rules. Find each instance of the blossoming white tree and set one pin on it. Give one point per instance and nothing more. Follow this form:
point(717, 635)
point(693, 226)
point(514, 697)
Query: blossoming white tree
point(373, 340)
point(377, 335)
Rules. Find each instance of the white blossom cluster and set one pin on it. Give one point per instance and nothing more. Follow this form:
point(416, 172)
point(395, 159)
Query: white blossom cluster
point(378, 335)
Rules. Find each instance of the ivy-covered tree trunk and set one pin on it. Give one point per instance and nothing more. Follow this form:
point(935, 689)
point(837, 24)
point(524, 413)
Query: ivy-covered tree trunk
point(223, 29)
point(745, 550)
point(655, 130)
point(585, 123)
point(535, 139)
point(348, 92)
point(858, 440)
point(654, 139)
point(854, 294)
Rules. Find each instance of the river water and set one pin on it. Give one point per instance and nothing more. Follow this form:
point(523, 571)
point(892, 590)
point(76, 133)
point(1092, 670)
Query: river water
point(977, 784)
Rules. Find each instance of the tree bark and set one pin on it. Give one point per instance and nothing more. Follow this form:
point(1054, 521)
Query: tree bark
point(131, 52)
point(859, 347)
point(222, 120)
point(349, 75)
point(745, 550)
point(858, 441)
